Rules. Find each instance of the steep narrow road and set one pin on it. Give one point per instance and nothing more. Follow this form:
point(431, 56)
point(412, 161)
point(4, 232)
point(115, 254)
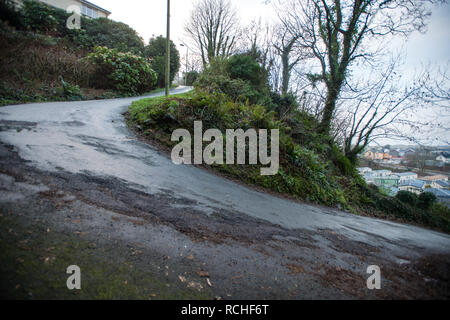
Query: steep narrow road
point(247, 240)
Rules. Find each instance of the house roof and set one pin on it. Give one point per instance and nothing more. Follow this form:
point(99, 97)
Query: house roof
point(382, 171)
point(95, 6)
point(434, 178)
point(440, 193)
point(406, 174)
point(413, 183)
point(443, 183)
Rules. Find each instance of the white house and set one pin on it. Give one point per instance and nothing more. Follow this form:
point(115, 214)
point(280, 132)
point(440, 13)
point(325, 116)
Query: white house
point(381, 173)
point(88, 9)
point(415, 186)
point(434, 178)
point(443, 159)
point(405, 176)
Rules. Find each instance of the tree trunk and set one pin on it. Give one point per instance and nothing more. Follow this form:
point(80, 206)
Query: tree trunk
point(286, 73)
point(328, 111)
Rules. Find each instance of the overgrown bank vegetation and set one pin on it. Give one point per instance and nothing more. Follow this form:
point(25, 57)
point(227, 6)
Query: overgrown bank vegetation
point(43, 60)
point(232, 94)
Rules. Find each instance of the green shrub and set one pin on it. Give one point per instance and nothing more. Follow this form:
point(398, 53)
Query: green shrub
point(39, 17)
point(217, 78)
point(108, 33)
point(426, 200)
point(439, 216)
point(156, 52)
point(342, 162)
point(191, 77)
point(71, 91)
point(124, 72)
point(283, 105)
point(407, 197)
point(241, 66)
point(394, 207)
point(9, 14)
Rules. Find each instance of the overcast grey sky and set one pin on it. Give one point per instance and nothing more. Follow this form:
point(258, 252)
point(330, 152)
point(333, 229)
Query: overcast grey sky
point(148, 17)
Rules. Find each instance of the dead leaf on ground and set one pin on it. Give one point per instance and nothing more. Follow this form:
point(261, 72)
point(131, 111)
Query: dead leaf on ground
point(203, 274)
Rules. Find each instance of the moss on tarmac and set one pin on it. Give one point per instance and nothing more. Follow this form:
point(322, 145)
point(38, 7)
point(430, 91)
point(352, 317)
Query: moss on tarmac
point(34, 260)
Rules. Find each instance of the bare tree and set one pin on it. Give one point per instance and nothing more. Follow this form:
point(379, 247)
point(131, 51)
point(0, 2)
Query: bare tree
point(257, 41)
point(214, 28)
point(290, 54)
point(338, 32)
point(436, 86)
point(384, 109)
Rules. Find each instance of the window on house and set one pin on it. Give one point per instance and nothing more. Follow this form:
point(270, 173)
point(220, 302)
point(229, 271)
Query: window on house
point(87, 11)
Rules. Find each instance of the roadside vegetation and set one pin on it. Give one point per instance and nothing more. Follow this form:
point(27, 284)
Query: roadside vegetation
point(43, 60)
point(233, 93)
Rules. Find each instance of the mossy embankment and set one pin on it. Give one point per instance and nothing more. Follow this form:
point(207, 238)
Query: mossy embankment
point(312, 167)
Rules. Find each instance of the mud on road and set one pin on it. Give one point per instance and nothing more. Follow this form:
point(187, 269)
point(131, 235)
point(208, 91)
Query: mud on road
point(131, 244)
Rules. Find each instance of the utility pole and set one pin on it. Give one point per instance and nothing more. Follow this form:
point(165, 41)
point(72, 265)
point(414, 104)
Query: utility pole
point(168, 50)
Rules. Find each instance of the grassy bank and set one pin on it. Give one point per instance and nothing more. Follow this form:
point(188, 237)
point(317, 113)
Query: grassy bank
point(311, 169)
point(39, 68)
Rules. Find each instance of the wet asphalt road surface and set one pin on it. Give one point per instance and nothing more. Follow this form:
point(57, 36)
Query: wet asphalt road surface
point(252, 245)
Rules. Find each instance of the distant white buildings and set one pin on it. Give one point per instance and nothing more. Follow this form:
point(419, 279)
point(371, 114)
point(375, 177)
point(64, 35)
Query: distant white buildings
point(406, 176)
point(405, 181)
point(381, 173)
point(442, 194)
point(443, 159)
point(435, 178)
point(416, 186)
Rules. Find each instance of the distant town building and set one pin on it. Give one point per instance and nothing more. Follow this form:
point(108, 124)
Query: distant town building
point(440, 184)
point(405, 176)
point(415, 186)
point(443, 159)
point(442, 195)
point(391, 182)
point(386, 181)
point(381, 173)
point(434, 178)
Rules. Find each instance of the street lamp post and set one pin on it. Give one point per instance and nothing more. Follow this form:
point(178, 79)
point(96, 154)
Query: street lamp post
point(168, 50)
point(187, 63)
